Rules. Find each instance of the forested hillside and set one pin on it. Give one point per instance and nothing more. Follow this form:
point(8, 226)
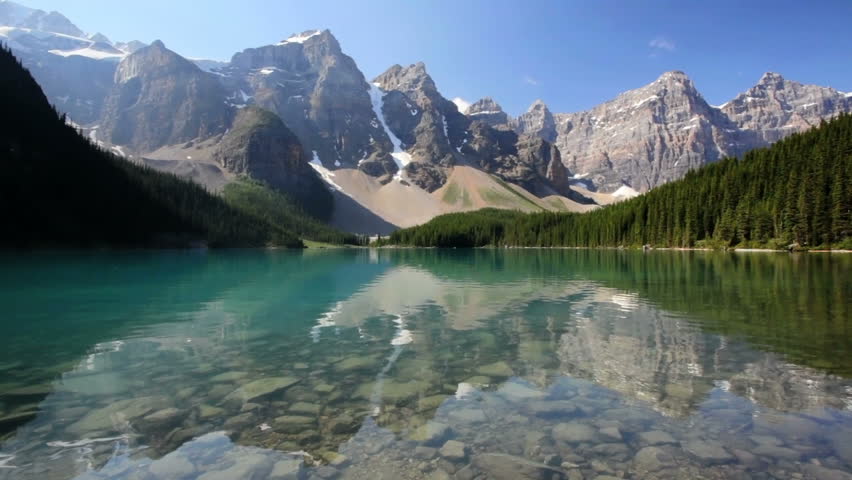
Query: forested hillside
point(59, 189)
point(799, 191)
point(259, 200)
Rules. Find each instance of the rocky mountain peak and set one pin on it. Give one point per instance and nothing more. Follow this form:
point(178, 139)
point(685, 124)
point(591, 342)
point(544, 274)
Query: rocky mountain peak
point(486, 104)
point(153, 60)
point(776, 107)
point(160, 99)
point(315, 43)
point(666, 127)
point(51, 22)
point(674, 76)
point(12, 14)
point(410, 79)
point(771, 79)
point(537, 121)
point(538, 106)
point(488, 111)
point(301, 37)
point(259, 145)
point(319, 93)
point(673, 82)
point(99, 37)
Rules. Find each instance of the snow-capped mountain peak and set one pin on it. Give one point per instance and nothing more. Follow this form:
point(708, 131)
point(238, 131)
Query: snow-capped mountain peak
point(300, 37)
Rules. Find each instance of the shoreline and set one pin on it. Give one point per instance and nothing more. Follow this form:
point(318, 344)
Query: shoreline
point(668, 249)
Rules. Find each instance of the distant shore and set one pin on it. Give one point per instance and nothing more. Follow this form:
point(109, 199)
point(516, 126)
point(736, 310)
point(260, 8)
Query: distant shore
point(668, 249)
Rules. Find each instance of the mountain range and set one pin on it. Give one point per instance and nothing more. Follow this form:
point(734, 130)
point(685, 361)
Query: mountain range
point(392, 151)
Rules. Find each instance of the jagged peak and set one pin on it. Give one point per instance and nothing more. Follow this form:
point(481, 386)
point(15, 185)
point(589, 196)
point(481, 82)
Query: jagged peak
point(150, 59)
point(304, 36)
point(411, 77)
point(538, 105)
point(99, 37)
point(674, 75)
point(310, 38)
point(392, 70)
point(770, 78)
point(485, 104)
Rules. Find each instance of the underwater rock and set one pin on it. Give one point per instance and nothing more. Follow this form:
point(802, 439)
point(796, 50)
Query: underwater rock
point(574, 433)
point(260, 388)
point(454, 450)
point(656, 437)
point(117, 414)
point(432, 433)
point(500, 466)
point(708, 452)
point(173, 465)
point(496, 369)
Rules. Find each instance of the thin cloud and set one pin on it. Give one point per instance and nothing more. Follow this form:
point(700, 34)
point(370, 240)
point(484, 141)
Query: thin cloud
point(530, 80)
point(462, 104)
point(662, 43)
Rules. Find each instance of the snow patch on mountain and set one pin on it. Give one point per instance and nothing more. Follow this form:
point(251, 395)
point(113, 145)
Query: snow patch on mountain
point(207, 64)
point(400, 156)
point(326, 174)
point(642, 102)
point(89, 52)
point(301, 37)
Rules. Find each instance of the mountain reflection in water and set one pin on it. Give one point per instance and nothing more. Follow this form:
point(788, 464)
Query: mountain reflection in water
point(254, 364)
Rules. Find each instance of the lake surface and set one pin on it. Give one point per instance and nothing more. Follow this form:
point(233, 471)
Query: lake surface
point(404, 364)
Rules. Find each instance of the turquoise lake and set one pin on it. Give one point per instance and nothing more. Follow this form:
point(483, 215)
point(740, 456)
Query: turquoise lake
point(438, 364)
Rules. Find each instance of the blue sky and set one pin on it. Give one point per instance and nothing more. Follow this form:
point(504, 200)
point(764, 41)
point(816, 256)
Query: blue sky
point(571, 54)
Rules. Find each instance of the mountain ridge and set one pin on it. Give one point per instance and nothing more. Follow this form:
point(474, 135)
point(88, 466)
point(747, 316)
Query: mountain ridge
point(399, 132)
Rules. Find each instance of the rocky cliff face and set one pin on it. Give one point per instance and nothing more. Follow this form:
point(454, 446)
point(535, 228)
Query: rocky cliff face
point(655, 134)
point(428, 124)
point(643, 138)
point(51, 22)
point(74, 70)
point(538, 121)
point(398, 128)
point(528, 161)
point(160, 98)
point(76, 85)
point(319, 93)
point(259, 145)
point(438, 137)
point(488, 111)
point(776, 107)
point(16, 15)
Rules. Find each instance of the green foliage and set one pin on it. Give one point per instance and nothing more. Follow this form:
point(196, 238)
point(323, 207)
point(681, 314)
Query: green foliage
point(797, 191)
point(476, 229)
point(59, 189)
point(258, 200)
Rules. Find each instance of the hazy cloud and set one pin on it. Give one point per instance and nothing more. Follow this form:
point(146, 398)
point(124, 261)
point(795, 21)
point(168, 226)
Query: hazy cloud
point(662, 43)
point(462, 104)
point(530, 80)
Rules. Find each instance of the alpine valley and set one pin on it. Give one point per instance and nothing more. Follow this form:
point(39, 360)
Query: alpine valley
point(373, 155)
